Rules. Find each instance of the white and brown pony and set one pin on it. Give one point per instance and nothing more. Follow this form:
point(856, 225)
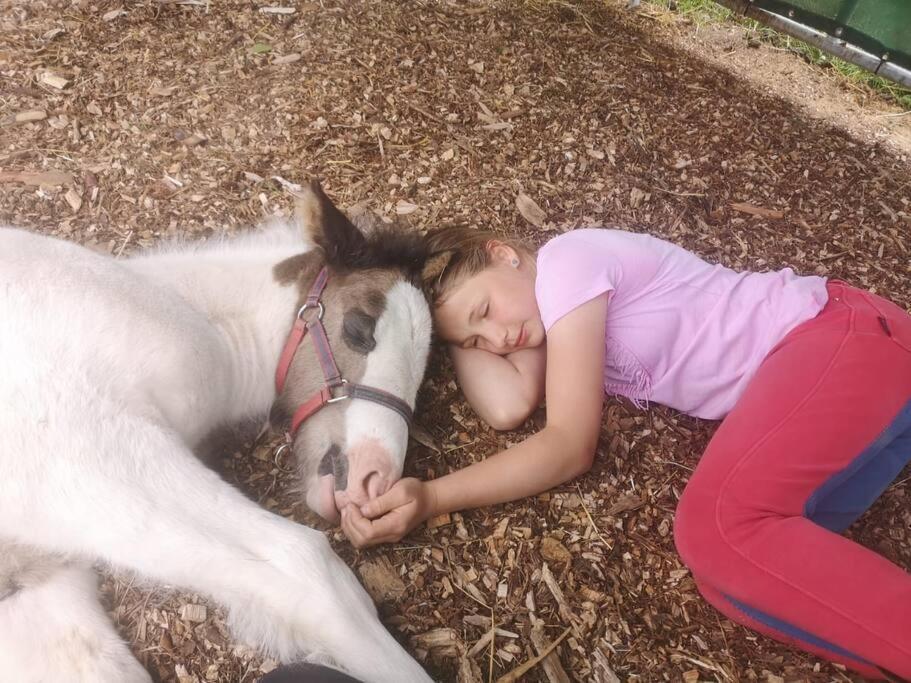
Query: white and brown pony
point(113, 373)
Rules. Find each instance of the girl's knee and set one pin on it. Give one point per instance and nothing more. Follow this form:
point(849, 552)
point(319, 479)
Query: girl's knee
point(706, 526)
point(694, 527)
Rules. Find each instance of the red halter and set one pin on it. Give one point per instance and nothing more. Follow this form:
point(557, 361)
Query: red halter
point(335, 388)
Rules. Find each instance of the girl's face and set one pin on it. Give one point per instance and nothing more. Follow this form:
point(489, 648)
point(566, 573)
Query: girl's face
point(496, 309)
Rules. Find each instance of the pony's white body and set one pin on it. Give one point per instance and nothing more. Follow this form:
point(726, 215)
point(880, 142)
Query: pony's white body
point(112, 372)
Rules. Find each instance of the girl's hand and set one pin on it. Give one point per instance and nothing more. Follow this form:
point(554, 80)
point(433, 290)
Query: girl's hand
point(391, 516)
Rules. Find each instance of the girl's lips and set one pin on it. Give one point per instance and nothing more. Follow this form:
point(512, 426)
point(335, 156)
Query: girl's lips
point(522, 337)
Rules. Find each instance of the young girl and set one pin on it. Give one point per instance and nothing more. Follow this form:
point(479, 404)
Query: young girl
point(812, 377)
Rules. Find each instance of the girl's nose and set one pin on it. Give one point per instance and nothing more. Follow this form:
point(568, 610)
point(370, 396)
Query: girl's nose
point(498, 337)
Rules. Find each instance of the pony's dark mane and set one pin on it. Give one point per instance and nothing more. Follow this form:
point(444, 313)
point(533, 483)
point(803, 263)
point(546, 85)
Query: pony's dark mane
point(389, 247)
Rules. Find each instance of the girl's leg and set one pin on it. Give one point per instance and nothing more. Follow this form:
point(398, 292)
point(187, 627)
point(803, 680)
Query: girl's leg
point(821, 431)
point(802, 641)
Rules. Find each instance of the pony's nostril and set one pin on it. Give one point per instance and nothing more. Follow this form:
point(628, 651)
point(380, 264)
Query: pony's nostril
point(335, 462)
point(325, 465)
point(375, 485)
point(371, 470)
point(340, 468)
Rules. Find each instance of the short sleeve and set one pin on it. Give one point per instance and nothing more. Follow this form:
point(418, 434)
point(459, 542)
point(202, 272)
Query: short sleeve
point(572, 269)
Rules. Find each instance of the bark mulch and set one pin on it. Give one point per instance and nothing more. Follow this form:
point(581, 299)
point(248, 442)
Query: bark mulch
point(124, 123)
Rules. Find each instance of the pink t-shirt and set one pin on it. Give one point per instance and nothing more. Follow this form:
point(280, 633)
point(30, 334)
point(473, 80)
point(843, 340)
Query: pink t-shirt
point(679, 331)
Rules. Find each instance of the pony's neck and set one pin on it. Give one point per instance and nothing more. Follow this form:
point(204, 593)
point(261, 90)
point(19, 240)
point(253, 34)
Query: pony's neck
point(233, 285)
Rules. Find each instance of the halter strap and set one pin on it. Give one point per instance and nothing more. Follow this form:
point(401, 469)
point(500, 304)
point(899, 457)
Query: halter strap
point(300, 328)
point(335, 387)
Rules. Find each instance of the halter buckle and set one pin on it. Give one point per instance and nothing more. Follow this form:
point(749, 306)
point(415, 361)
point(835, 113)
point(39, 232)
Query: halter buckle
point(339, 397)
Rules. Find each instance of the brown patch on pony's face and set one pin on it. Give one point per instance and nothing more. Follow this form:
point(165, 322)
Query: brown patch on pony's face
point(297, 268)
point(352, 304)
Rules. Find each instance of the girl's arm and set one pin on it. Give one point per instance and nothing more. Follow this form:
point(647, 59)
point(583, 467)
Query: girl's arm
point(503, 390)
point(562, 450)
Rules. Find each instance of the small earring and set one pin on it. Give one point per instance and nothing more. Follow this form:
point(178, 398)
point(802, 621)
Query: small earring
point(515, 263)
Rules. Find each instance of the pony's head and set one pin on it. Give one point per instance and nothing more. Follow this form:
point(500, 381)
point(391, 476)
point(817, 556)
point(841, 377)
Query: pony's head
point(349, 395)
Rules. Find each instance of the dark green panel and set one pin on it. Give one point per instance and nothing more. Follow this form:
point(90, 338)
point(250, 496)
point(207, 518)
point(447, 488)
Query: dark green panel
point(881, 27)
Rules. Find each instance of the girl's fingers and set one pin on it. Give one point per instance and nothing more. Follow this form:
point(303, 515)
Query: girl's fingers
point(350, 532)
point(354, 529)
point(363, 532)
point(387, 527)
point(393, 498)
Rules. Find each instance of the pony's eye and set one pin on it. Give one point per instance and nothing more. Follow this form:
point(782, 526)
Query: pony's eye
point(358, 329)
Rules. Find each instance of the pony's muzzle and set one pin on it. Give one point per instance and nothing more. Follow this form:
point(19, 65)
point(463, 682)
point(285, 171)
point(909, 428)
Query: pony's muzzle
point(370, 471)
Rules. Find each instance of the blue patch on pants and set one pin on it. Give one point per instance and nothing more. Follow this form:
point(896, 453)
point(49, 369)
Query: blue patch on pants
point(793, 631)
point(847, 494)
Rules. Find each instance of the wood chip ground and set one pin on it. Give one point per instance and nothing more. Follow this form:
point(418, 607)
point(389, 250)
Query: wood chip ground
point(125, 123)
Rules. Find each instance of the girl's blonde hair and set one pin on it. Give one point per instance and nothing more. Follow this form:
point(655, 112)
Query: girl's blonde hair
point(457, 253)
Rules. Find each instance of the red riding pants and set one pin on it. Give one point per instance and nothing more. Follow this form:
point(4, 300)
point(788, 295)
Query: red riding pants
point(818, 435)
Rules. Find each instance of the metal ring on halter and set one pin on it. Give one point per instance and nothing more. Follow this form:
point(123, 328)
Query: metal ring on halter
point(303, 309)
point(277, 457)
point(342, 397)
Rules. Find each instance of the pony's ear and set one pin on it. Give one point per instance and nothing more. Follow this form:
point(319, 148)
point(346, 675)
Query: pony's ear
point(326, 226)
point(364, 219)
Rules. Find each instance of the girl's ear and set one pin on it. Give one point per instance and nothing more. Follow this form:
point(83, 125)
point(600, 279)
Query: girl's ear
point(502, 254)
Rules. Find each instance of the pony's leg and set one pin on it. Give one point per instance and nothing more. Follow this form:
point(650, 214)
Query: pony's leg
point(144, 502)
point(54, 629)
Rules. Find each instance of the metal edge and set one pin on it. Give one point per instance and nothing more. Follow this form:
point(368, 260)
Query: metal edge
point(839, 48)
